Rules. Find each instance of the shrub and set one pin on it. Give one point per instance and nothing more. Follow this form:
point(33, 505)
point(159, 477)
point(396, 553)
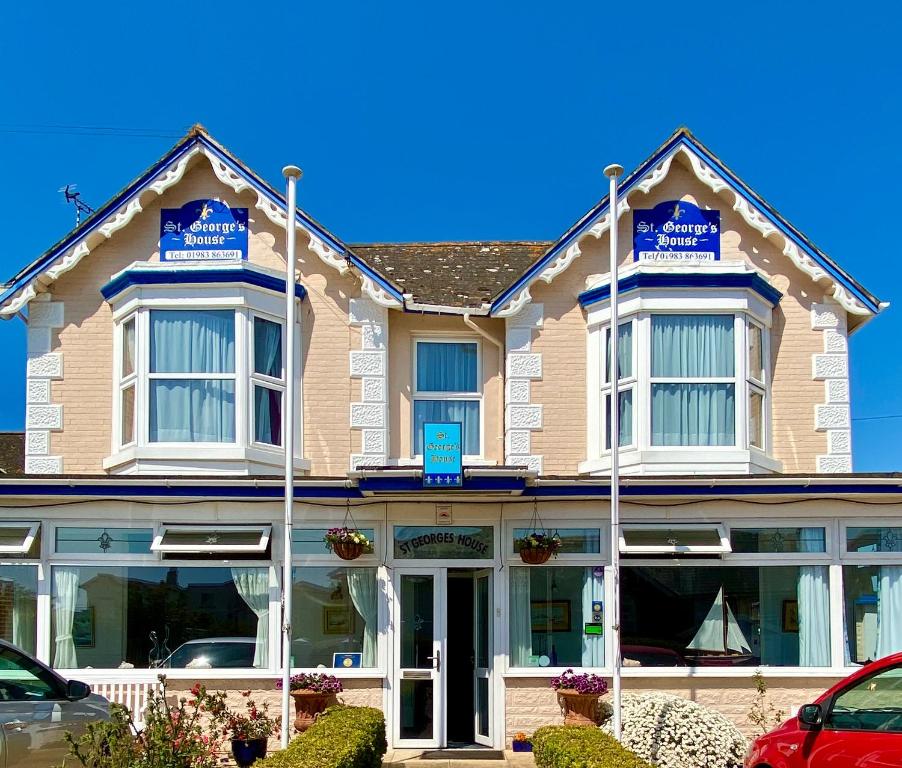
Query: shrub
point(677, 733)
point(577, 746)
point(342, 737)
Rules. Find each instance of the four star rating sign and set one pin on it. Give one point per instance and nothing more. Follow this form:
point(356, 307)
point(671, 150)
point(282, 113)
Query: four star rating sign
point(442, 455)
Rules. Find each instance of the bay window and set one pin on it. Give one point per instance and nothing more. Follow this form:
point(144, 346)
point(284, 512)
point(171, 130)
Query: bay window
point(626, 384)
point(268, 378)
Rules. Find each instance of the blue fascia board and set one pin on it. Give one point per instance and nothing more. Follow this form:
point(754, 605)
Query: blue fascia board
point(196, 276)
point(578, 229)
point(162, 490)
point(415, 485)
point(750, 280)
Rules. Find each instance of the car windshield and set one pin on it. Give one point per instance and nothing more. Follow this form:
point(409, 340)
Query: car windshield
point(212, 653)
point(872, 704)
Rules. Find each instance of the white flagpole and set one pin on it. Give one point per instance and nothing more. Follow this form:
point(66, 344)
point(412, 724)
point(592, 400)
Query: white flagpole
point(292, 174)
point(612, 172)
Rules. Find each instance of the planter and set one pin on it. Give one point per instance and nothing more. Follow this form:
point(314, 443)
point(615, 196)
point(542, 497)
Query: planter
point(307, 705)
point(535, 555)
point(247, 752)
point(578, 708)
point(348, 550)
point(522, 746)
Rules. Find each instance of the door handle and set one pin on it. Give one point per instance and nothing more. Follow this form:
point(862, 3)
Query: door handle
point(14, 725)
point(436, 660)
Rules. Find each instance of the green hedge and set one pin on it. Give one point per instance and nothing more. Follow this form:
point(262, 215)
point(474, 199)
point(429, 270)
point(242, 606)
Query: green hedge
point(342, 737)
point(574, 746)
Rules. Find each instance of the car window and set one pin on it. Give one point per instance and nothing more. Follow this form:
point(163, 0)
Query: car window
point(22, 679)
point(872, 704)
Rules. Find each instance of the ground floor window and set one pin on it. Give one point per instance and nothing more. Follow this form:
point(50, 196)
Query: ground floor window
point(18, 605)
point(159, 616)
point(334, 611)
point(873, 607)
point(552, 622)
point(716, 616)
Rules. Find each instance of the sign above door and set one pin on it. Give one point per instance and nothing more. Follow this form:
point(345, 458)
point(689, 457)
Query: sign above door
point(458, 542)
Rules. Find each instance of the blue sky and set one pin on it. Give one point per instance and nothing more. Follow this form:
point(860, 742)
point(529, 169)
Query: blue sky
point(471, 120)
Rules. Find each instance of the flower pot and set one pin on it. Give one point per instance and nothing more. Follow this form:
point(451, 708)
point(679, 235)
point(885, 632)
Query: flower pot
point(348, 550)
point(247, 752)
point(522, 746)
point(578, 708)
point(535, 555)
point(307, 705)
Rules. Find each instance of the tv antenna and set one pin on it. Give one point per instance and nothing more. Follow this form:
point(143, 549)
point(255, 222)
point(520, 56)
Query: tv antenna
point(75, 198)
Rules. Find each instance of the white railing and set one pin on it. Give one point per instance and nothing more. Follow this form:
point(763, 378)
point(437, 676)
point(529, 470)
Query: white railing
point(131, 694)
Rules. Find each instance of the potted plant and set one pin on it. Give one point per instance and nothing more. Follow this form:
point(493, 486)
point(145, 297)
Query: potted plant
point(347, 543)
point(312, 694)
point(521, 743)
point(578, 696)
point(248, 731)
point(535, 548)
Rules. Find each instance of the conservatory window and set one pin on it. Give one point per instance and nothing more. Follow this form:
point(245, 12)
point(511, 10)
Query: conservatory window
point(19, 605)
point(201, 539)
point(268, 381)
point(104, 541)
point(778, 540)
point(662, 539)
point(447, 388)
point(19, 539)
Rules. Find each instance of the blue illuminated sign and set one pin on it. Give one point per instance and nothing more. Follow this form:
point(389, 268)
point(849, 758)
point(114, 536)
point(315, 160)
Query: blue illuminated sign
point(203, 230)
point(676, 231)
point(442, 455)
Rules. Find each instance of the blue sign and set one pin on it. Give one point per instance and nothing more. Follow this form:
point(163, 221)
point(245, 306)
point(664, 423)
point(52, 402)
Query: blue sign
point(347, 660)
point(203, 230)
point(442, 455)
point(676, 231)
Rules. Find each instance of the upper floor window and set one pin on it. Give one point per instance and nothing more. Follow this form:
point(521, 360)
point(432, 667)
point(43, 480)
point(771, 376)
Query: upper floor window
point(448, 388)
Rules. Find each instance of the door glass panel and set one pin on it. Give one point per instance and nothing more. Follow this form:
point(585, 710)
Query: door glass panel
point(417, 631)
point(482, 706)
point(416, 709)
point(482, 621)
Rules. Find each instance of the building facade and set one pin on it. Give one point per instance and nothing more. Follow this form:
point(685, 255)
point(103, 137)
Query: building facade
point(145, 531)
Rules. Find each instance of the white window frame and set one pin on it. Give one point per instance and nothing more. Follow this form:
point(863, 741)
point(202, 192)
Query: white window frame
point(774, 558)
point(126, 381)
point(158, 545)
point(693, 549)
point(418, 394)
point(261, 379)
point(27, 541)
point(603, 557)
point(867, 558)
point(756, 385)
point(626, 384)
point(327, 558)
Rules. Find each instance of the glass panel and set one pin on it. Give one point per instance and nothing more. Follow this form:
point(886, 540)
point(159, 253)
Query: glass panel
point(159, 616)
point(267, 415)
point(212, 537)
point(873, 604)
point(19, 605)
point(128, 348)
point(417, 631)
point(624, 352)
point(198, 341)
point(309, 541)
point(192, 411)
point(447, 367)
point(575, 541)
point(416, 709)
point(13, 536)
point(334, 610)
point(414, 542)
point(774, 540)
point(464, 411)
point(267, 348)
point(482, 706)
point(756, 419)
point(104, 541)
point(680, 537)
point(693, 414)
point(874, 539)
point(625, 423)
point(688, 346)
point(872, 704)
point(482, 621)
point(22, 679)
point(128, 415)
point(725, 616)
point(756, 353)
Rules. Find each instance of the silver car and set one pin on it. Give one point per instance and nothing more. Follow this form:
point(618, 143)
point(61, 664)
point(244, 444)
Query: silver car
point(37, 707)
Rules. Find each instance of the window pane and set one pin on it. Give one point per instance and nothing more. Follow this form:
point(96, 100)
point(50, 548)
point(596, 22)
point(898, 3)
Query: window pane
point(693, 414)
point(756, 352)
point(199, 618)
point(199, 540)
point(447, 367)
point(874, 539)
point(19, 605)
point(201, 341)
point(104, 541)
point(873, 617)
point(128, 415)
point(267, 348)
point(671, 537)
point(549, 610)
point(756, 419)
point(624, 352)
point(573, 540)
point(692, 345)
point(128, 348)
point(309, 541)
point(726, 616)
point(334, 610)
point(775, 540)
point(464, 411)
point(625, 423)
point(871, 704)
point(267, 415)
point(192, 411)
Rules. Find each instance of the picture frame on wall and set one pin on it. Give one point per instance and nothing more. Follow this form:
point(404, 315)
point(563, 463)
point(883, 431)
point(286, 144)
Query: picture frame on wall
point(790, 615)
point(338, 620)
point(550, 615)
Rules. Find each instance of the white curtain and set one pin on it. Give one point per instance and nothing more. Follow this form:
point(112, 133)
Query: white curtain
point(253, 586)
point(520, 617)
point(362, 587)
point(65, 595)
point(889, 610)
point(24, 618)
point(814, 604)
point(593, 591)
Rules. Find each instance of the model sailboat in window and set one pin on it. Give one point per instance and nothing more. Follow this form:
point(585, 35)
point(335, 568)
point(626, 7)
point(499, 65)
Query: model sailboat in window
point(719, 641)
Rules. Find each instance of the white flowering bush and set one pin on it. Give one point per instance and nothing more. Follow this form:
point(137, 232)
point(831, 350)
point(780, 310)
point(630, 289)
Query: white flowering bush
point(671, 732)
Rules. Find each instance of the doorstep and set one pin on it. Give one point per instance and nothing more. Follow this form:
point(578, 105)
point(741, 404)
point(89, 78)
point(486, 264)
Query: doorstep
point(414, 758)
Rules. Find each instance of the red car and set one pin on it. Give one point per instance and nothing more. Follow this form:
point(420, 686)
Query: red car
point(856, 724)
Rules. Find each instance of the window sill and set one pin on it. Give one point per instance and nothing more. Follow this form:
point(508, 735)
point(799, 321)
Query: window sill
point(684, 672)
point(183, 459)
point(150, 675)
point(685, 460)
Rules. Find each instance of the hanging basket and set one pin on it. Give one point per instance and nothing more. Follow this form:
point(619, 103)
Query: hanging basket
point(535, 555)
point(348, 550)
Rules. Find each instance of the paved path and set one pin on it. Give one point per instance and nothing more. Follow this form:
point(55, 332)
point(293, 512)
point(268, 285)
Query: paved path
point(413, 758)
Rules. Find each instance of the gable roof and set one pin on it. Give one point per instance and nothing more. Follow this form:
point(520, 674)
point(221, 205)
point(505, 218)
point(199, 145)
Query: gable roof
point(165, 173)
point(711, 171)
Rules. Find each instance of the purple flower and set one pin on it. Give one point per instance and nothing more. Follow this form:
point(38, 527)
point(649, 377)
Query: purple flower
point(583, 683)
